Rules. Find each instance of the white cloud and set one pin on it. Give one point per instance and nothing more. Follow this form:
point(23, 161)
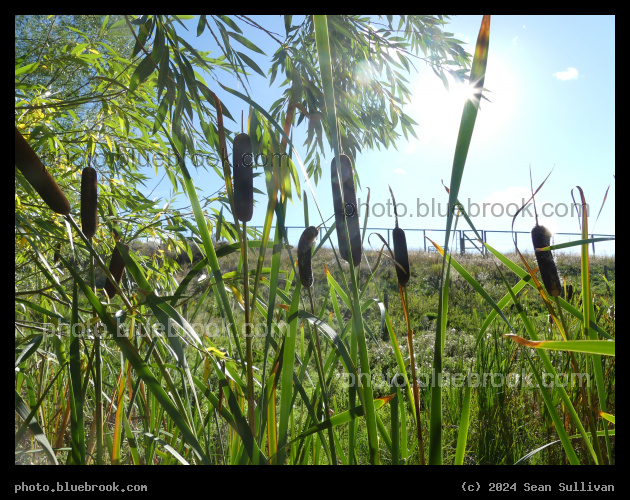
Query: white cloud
point(569, 74)
point(400, 171)
point(514, 40)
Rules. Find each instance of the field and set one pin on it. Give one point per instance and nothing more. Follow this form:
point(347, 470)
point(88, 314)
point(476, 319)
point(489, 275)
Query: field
point(508, 417)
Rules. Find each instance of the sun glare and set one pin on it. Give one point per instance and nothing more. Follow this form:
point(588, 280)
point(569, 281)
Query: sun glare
point(439, 111)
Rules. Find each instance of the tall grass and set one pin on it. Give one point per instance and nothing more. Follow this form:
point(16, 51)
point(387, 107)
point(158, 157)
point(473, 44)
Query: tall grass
point(142, 384)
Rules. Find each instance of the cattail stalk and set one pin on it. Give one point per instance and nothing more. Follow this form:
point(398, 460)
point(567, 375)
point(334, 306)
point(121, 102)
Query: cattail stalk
point(305, 247)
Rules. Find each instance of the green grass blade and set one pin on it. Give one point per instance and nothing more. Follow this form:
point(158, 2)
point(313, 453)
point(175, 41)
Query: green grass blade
point(575, 243)
point(588, 312)
point(526, 458)
point(602, 347)
point(343, 417)
point(131, 354)
point(563, 393)
point(564, 438)
point(462, 435)
point(77, 429)
point(208, 248)
point(27, 415)
point(286, 389)
point(466, 127)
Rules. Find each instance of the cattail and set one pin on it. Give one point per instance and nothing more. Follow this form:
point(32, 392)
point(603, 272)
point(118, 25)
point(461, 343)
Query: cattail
point(350, 210)
point(400, 249)
point(27, 161)
point(89, 196)
point(116, 268)
point(243, 178)
point(569, 292)
point(305, 245)
point(541, 237)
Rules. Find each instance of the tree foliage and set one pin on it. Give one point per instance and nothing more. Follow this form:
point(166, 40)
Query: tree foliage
point(123, 92)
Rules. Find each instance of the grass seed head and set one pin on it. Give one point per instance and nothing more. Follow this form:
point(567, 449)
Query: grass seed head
point(541, 237)
point(348, 212)
point(305, 245)
point(243, 178)
point(27, 161)
point(89, 198)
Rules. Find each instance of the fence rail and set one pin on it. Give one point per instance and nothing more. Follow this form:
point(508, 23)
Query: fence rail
point(465, 239)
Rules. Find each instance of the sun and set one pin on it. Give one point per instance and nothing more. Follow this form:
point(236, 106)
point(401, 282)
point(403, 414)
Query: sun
point(438, 111)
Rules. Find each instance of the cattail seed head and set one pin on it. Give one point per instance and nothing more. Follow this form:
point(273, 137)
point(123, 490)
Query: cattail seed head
point(347, 213)
point(401, 255)
point(89, 198)
point(116, 268)
point(27, 161)
point(400, 249)
point(305, 245)
point(541, 237)
point(569, 292)
point(243, 178)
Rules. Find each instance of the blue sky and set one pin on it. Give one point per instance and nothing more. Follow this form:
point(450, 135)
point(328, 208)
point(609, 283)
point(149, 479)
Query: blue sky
point(552, 93)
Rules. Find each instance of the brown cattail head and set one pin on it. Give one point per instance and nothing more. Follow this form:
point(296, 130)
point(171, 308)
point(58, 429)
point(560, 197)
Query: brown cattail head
point(400, 249)
point(401, 255)
point(89, 198)
point(116, 268)
point(350, 210)
point(27, 161)
point(541, 237)
point(243, 178)
point(305, 246)
point(569, 292)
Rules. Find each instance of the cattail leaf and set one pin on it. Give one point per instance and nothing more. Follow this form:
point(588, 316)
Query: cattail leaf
point(29, 349)
point(344, 417)
point(130, 353)
point(23, 411)
point(604, 347)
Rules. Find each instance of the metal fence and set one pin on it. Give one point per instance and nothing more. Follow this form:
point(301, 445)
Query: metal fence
point(464, 241)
